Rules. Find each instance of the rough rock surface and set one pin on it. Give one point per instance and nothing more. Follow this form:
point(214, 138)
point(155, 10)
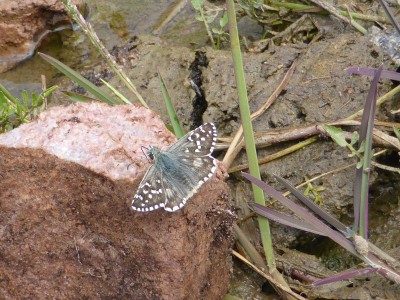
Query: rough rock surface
point(23, 24)
point(66, 229)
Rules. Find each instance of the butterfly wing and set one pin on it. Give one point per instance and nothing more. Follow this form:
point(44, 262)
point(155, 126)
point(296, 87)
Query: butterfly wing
point(149, 192)
point(198, 142)
point(182, 181)
point(192, 165)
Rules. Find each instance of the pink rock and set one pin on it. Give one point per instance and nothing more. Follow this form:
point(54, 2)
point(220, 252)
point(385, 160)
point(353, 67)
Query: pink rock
point(104, 139)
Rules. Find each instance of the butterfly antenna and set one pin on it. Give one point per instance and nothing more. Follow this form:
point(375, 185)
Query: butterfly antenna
point(145, 153)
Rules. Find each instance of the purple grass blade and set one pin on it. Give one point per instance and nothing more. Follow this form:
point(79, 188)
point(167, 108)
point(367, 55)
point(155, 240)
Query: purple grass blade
point(302, 213)
point(371, 72)
point(313, 207)
point(284, 219)
point(346, 275)
point(362, 178)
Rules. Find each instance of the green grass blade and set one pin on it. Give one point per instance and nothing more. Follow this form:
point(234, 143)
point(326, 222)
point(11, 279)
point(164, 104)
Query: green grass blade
point(176, 124)
point(250, 144)
point(366, 132)
point(75, 15)
point(48, 91)
point(248, 132)
point(7, 94)
point(118, 94)
point(78, 97)
point(25, 98)
point(79, 79)
point(396, 132)
point(3, 99)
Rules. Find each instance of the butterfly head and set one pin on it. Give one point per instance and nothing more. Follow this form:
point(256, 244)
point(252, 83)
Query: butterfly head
point(153, 152)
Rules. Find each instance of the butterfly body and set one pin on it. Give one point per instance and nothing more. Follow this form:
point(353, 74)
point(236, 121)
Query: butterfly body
point(177, 173)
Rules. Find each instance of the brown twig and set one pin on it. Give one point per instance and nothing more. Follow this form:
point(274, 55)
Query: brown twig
point(332, 10)
point(266, 276)
point(380, 139)
point(237, 140)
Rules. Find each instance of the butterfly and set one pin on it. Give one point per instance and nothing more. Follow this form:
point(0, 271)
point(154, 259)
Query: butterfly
point(177, 173)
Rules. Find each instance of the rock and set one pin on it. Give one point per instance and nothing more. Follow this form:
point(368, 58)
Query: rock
point(66, 228)
point(22, 26)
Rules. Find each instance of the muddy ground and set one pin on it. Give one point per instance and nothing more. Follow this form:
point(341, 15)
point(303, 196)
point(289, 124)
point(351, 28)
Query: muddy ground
point(319, 91)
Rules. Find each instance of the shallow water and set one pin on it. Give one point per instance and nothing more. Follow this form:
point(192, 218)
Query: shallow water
point(113, 22)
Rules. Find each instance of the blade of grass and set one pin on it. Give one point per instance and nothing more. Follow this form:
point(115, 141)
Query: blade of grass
point(302, 213)
point(362, 175)
point(360, 248)
point(249, 248)
point(176, 124)
point(349, 274)
point(371, 72)
point(388, 96)
point(312, 206)
point(116, 93)
point(79, 79)
point(7, 94)
point(249, 141)
point(284, 219)
point(248, 130)
point(78, 97)
point(74, 13)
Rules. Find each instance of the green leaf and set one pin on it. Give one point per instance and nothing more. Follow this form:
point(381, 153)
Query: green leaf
point(35, 100)
point(178, 130)
point(224, 20)
point(14, 112)
point(199, 18)
point(115, 91)
point(336, 134)
point(361, 149)
point(307, 191)
point(354, 138)
point(197, 4)
point(3, 99)
point(396, 132)
point(360, 164)
point(79, 79)
point(318, 199)
point(48, 91)
point(78, 97)
point(7, 94)
point(25, 99)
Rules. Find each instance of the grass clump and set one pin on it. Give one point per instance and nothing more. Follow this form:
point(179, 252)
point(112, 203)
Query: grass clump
point(16, 111)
